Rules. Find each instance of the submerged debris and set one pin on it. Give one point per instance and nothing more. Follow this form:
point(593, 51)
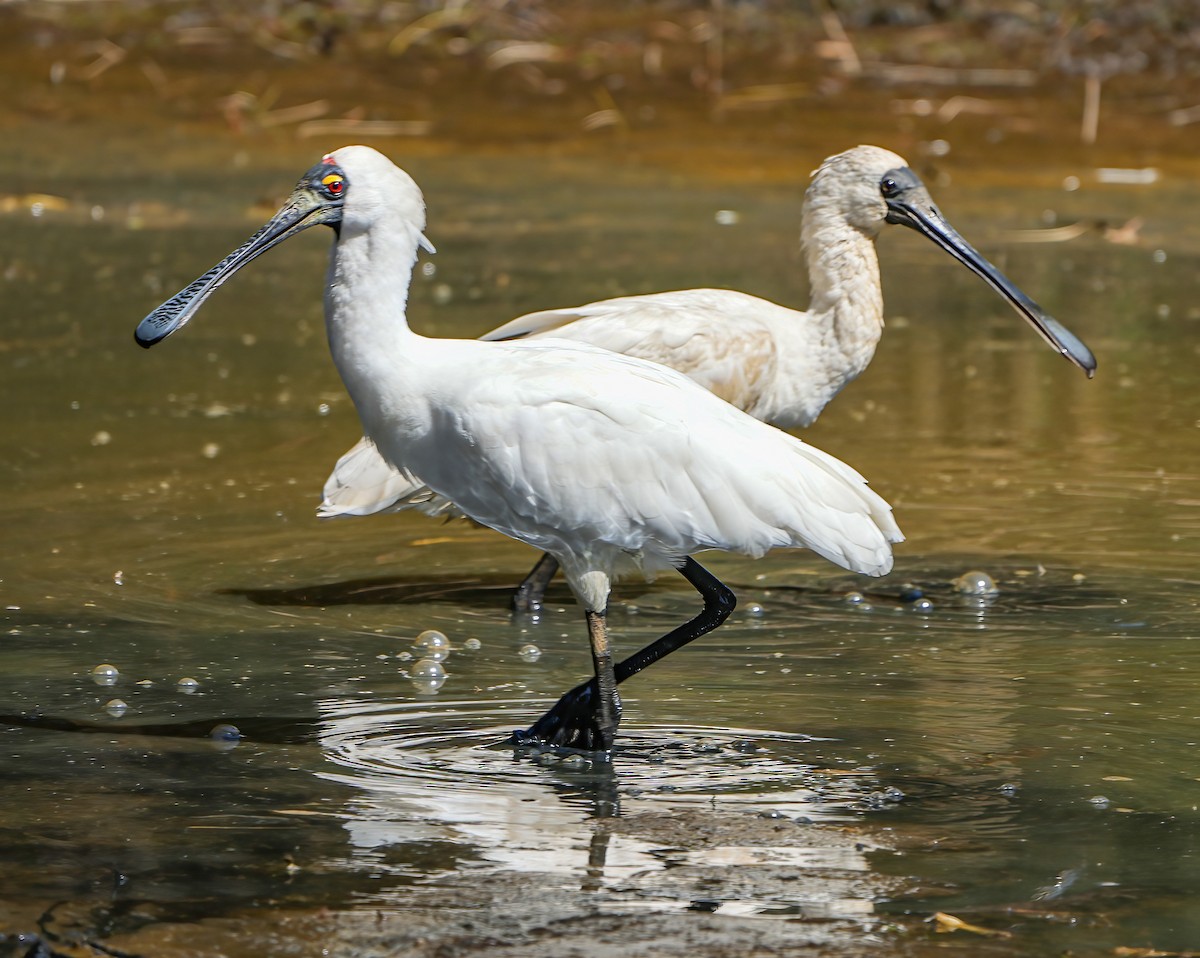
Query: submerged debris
point(946, 923)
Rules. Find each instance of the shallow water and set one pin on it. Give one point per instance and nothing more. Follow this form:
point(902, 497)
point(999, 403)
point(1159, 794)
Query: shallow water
point(837, 755)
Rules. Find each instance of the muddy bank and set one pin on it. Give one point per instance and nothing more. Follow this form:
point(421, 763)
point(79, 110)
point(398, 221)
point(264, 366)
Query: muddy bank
point(692, 86)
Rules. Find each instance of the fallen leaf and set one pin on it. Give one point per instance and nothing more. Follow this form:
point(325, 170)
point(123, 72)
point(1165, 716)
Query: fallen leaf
point(947, 923)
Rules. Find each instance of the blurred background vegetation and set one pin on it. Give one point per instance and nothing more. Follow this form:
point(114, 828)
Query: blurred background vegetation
point(1124, 75)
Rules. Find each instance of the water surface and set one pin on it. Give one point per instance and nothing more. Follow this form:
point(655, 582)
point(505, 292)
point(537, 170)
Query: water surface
point(837, 757)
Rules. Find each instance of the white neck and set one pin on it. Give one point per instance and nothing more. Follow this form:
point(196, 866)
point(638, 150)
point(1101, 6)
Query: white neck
point(847, 294)
point(365, 299)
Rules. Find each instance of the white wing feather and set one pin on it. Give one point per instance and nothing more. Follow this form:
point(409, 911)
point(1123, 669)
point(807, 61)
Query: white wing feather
point(532, 447)
point(363, 483)
point(688, 330)
point(724, 340)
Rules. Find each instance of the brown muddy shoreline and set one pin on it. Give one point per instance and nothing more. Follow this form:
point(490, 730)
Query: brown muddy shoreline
point(689, 86)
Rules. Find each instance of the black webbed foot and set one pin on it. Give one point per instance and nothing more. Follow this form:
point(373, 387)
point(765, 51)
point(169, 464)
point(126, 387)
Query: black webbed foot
point(573, 722)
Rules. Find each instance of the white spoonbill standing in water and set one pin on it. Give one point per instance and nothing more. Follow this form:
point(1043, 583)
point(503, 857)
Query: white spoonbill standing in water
point(778, 364)
point(604, 461)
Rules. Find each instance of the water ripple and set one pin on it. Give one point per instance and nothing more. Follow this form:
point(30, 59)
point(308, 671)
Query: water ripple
point(402, 748)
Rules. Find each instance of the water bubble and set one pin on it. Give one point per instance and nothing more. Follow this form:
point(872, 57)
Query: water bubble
point(433, 645)
point(975, 583)
point(225, 733)
point(922, 606)
point(530, 653)
point(1099, 801)
point(855, 598)
point(893, 794)
point(105, 675)
point(472, 645)
point(404, 656)
point(187, 685)
point(428, 676)
point(1008, 789)
point(755, 610)
point(116, 708)
point(726, 217)
point(102, 438)
point(119, 577)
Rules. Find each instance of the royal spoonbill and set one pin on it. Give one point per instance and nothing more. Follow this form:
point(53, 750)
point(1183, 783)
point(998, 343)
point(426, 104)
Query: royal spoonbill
point(604, 461)
point(780, 365)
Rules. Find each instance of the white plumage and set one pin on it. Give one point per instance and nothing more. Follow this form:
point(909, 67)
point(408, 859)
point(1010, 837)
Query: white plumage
point(603, 460)
point(606, 458)
point(780, 365)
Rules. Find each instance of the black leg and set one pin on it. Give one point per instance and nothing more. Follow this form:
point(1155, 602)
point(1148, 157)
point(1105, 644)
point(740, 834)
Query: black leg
point(607, 711)
point(719, 602)
point(575, 722)
point(529, 594)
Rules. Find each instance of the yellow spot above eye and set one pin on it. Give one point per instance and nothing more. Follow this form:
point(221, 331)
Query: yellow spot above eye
point(331, 179)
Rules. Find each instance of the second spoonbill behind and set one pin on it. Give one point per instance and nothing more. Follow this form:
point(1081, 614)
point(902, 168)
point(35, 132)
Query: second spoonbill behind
point(604, 461)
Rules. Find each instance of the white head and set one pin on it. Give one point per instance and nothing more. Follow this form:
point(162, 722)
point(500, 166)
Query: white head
point(849, 186)
point(866, 187)
point(372, 188)
point(352, 190)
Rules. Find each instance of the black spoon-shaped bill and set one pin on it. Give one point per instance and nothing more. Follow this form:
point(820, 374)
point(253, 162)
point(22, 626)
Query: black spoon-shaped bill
point(306, 207)
point(909, 204)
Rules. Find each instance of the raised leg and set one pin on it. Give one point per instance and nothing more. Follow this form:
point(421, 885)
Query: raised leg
point(532, 590)
point(719, 602)
point(576, 719)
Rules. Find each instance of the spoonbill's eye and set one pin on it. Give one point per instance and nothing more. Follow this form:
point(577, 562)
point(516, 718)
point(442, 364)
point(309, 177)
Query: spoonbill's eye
point(888, 186)
point(334, 184)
